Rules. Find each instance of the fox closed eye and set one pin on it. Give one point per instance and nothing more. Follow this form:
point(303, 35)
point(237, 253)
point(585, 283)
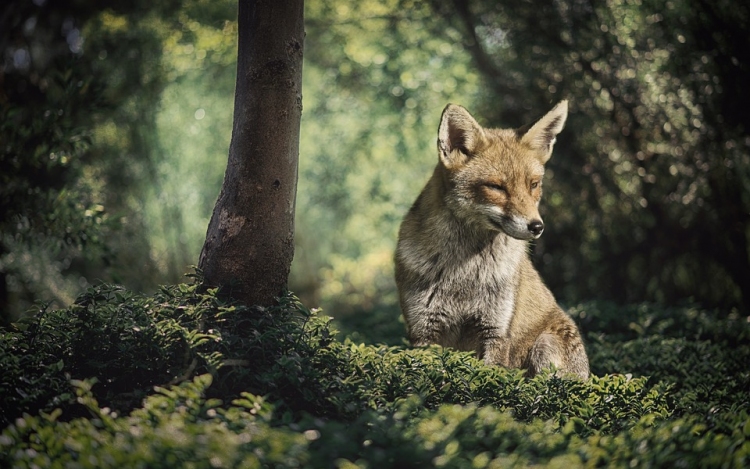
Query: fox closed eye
point(496, 187)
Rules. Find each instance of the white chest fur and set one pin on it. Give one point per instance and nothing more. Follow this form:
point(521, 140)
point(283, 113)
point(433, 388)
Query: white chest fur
point(468, 280)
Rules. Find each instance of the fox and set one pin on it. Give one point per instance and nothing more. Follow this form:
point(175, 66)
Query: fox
point(462, 269)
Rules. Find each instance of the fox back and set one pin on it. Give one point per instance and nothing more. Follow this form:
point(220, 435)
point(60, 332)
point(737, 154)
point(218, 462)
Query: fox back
point(462, 269)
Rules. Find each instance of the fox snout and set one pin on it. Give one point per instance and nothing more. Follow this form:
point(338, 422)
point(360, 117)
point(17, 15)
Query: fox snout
point(536, 227)
point(515, 226)
point(521, 228)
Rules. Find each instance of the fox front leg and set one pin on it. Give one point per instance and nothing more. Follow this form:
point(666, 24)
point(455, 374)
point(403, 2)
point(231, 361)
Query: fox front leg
point(426, 328)
point(495, 351)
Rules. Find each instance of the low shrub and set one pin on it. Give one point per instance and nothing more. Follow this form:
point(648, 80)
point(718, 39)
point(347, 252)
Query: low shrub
point(180, 427)
point(177, 376)
point(701, 355)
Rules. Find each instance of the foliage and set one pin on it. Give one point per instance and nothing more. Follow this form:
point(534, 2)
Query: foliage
point(179, 426)
point(70, 74)
point(114, 137)
point(98, 172)
point(646, 195)
point(375, 79)
point(130, 343)
point(701, 356)
point(45, 202)
point(652, 165)
point(176, 378)
point(175, 426)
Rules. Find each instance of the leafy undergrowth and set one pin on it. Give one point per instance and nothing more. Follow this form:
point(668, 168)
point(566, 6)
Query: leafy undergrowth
point(183, 378)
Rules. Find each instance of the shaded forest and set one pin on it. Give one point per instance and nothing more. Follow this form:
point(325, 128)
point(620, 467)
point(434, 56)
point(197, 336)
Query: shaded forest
point(116, 124)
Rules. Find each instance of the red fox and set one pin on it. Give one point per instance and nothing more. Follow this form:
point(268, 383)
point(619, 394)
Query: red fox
point(462, 269)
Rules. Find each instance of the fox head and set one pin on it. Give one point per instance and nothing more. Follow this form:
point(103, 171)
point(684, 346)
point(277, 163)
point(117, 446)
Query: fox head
point(493, 177)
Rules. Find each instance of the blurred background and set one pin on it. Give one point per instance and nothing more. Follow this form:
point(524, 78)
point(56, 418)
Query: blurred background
point(115, 125)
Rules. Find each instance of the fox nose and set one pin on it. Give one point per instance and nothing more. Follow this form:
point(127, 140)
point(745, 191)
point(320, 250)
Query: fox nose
point(536, 227)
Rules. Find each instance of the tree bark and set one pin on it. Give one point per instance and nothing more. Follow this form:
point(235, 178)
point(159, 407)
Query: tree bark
point(250, 240)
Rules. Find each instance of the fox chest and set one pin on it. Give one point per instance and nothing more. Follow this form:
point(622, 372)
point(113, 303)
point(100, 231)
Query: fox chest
point(464, 298)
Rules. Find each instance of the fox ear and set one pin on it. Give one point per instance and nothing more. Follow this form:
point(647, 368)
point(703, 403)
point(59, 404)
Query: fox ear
point(541, 136)
point(459, 136)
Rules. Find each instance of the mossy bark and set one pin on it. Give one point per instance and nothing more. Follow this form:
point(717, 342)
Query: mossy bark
point(250, 240)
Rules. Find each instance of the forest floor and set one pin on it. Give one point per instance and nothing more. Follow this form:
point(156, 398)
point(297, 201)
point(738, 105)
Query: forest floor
point(183, 378)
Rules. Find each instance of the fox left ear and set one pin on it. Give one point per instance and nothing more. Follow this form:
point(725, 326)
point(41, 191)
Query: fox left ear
point(542, 135)
point(459, 136)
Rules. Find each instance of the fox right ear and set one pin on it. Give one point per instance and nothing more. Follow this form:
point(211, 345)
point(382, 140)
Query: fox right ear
point(459, 136)
point(542, 135)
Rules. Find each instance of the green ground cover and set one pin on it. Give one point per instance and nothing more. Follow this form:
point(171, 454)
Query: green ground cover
point(183, 378)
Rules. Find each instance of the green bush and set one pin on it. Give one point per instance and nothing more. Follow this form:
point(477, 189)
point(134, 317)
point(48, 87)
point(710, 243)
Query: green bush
point(179, 427)
point(702, 355)
point(120, 379)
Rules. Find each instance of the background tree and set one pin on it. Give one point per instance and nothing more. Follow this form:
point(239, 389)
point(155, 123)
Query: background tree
point(111, 118)
point(250, 241)
point(68, 71)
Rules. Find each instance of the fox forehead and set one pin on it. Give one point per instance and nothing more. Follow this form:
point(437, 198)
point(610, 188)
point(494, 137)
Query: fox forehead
point(505, 157)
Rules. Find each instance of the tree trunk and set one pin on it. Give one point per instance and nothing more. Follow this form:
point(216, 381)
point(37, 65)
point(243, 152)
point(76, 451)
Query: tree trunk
point(250, 240)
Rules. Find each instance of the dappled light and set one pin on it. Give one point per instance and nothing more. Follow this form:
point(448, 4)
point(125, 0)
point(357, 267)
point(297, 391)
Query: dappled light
point(648, 180)
point(115, 127)
point(652, 148)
